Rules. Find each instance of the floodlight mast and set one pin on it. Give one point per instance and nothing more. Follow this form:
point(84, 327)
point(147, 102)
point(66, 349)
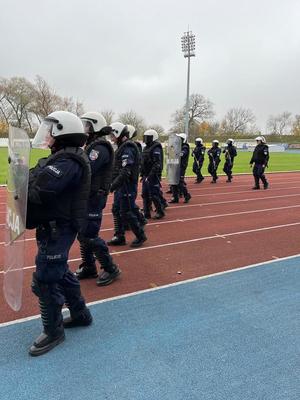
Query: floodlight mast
point(188, 49)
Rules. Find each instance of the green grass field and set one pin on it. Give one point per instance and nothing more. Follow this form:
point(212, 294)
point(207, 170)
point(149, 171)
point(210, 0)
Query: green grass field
point(278, 162)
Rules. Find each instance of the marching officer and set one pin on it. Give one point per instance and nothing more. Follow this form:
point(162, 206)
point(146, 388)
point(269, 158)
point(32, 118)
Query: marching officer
point(230, 153)
point(59, 187)
point(214, 160)
point(151, 170)
point(101, 156)
point(260, 159)
point(124, 185)
point(198, 154)
point(184, 160)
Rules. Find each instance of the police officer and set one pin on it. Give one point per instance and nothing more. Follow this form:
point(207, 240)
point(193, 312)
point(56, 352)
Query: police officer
point(198, 154)
point(214, 160)
point(124, 185)
point(260, 159)
point(184, 160)
point(151, 170)
point(139, 214)
point(58, 192)
point(133, 135)
point(230, 154)
point(101, 155)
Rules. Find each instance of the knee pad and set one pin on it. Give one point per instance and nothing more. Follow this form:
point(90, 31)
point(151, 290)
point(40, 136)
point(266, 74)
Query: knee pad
point(44, 291)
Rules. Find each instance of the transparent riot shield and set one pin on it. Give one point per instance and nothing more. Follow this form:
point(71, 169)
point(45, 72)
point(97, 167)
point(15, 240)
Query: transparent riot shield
point(17, 187)
point(173, 159)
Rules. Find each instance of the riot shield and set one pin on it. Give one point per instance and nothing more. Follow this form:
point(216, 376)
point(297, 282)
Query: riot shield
point(17, 187)
point(173, 159)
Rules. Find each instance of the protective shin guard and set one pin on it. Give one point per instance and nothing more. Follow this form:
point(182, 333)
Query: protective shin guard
point(159, 208)
point(53, 332)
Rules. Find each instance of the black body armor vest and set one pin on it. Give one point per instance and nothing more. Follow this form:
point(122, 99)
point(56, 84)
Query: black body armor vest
point(101, 180)
point(147, 158)
point(69, 206)
point(135, 168)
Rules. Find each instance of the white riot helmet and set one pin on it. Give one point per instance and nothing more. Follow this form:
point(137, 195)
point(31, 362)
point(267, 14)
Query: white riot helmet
point(119, 130)
point(132, 131)
point(61, 125)
point(151, 132)
point(259, 139)
point(263, 139)
point(94, 119)
point(199, 140)
point(182, 136)
point(215, 141)
point(230, 141)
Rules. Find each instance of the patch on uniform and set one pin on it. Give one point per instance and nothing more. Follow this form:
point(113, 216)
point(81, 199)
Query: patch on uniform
point(124, 163)
point(94, 154)
point(54, 171)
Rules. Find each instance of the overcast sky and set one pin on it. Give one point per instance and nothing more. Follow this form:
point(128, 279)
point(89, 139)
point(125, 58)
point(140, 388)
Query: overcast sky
point(123, 55)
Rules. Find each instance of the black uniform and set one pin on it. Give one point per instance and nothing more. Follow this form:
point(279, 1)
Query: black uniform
point(181, 187)
point(124, 185)
point(230, 153)
point(214, 161)
point(198, 154)
point(101, 155)
point(58, 192)
point(151, 170)
point(260, 159)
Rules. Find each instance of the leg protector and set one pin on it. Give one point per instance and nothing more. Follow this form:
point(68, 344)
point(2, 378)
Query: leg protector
point(50, 307)
point(87, 269)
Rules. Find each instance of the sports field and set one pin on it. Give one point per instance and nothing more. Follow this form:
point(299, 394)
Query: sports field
point(278, 162)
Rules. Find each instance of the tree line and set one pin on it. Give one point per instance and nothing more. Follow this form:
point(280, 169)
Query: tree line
point(24, 104)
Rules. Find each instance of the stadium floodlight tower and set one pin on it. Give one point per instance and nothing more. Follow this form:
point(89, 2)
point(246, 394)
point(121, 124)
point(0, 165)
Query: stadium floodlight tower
point(188, 49)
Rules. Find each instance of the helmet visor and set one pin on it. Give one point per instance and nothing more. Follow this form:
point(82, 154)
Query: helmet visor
point(88, 126)
point(43, 137)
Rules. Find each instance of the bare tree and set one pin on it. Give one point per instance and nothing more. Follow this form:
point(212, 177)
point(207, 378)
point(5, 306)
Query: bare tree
point(15, 102)
point(280, 124)
point(132, 118)
point(108, 115)
point(45, 99)
point(296, 125)
point(201, 109)
point(237, 121)
point(71, 105)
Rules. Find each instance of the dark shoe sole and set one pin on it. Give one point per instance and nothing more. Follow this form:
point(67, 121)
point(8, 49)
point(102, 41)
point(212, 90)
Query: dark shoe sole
point(134, 245)
point(36, 351)
point(110, 280)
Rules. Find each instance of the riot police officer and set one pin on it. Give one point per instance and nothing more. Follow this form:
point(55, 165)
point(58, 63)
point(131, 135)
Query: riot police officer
point(124, 185)
point(139, 214)
point(230, 153)
point(214, 160)
point(101, 155)
point(260, 159)
point(198, 154)
point(151, 170)
point(58, 192)
point(184, 160)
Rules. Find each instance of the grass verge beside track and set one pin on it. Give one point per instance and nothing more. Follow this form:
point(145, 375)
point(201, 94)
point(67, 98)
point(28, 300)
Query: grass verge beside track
point(278, 162)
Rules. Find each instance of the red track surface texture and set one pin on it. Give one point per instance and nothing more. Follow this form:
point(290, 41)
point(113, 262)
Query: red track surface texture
point(224, 226)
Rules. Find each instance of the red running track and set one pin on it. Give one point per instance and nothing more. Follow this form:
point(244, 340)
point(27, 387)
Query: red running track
point(224, 226)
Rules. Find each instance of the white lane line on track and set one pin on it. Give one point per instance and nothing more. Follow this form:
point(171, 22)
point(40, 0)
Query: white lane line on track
point(221, 202)
point(154, 289)
point(209, 194)
point(216, 236)
point(202, 188)
point(198, 218)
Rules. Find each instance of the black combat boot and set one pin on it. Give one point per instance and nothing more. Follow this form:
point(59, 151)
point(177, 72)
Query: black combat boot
point(108, 276)
point(117, 241)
